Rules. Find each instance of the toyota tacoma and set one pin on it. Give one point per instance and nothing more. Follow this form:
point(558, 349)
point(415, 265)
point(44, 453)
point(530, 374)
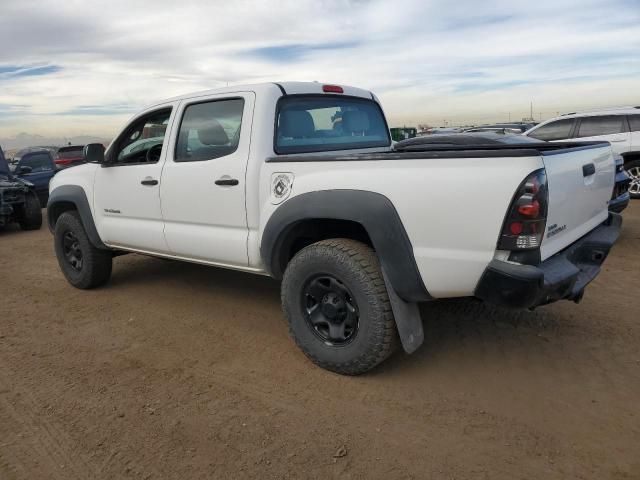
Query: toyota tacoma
point(299, 181)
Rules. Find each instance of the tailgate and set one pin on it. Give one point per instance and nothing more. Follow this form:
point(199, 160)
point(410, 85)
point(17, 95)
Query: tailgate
point(580, 182)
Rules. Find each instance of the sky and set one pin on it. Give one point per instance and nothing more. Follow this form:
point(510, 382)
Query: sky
point(83, 67)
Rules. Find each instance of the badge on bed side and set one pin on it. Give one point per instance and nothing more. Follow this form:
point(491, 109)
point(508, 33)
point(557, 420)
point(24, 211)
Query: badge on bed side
point(281, 186)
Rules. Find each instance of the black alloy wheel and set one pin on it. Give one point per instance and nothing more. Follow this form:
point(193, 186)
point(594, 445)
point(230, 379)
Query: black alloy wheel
point(330, 310)
point(72, 251)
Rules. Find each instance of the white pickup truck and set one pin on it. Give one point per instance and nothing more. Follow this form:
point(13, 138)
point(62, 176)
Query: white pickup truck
point(300, 181)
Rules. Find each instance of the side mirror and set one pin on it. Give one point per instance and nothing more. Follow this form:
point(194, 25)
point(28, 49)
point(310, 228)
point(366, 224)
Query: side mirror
point(23, 170)
point(94, 153)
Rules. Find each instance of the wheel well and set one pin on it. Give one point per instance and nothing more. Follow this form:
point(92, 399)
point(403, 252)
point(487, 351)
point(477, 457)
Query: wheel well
point(54, 211)
point(307, 232)
point(630, 156)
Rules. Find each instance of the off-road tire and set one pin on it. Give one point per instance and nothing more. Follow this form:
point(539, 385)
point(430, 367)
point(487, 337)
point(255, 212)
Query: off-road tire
point(96, 263)
point(635, 165)
point(31, 218)
point(358, 268)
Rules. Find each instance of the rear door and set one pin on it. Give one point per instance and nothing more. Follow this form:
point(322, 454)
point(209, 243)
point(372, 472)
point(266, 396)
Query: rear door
point(612, 128)
point(580, 183)
point(203, 181)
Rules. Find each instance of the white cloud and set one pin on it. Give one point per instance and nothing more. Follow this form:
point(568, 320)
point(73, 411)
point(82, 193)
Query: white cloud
point(463, 61)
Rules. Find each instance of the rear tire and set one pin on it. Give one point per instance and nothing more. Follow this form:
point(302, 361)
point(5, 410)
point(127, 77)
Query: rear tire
point(83, 265)
point(633, 170)
point(31, 213)
point(337, 306)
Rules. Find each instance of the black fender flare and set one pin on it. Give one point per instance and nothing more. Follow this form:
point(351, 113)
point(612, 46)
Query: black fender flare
point(373, 211)
point(77, 196)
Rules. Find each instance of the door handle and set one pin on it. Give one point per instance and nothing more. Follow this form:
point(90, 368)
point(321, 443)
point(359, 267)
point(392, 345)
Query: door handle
point(149, 181)
point(588, 169)
point(230, 182)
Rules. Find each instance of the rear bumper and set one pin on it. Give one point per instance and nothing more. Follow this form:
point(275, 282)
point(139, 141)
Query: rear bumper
point(563, 276)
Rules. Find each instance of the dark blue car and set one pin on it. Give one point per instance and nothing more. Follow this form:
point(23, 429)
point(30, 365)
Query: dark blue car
point(37, 168)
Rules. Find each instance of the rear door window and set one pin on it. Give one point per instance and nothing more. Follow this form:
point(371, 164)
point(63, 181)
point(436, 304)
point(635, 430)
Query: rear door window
point(602, 125)
point(634, 123)
point(320, 123)
point(558, 130)
point(209, 130)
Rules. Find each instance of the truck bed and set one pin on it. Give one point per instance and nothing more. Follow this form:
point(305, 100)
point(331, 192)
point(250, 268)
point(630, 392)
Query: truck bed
point(420, 151)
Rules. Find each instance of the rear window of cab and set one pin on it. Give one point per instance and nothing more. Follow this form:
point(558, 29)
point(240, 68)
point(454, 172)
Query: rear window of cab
point(321, 123)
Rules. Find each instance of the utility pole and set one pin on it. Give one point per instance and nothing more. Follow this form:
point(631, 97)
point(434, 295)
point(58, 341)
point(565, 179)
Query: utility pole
point(509, 117)
point(531, 112)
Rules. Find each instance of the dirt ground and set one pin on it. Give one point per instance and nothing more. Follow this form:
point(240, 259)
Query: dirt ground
point(182, 371)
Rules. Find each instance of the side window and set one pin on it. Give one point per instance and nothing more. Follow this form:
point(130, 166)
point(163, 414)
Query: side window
point(39, 162)
point(142, 142)
point(209, 130)
point(558, 130)
point(634, 123)
point(605, 125)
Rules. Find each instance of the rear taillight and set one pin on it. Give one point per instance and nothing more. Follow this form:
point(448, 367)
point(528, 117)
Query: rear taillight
point(527, 216)
point(63, 161)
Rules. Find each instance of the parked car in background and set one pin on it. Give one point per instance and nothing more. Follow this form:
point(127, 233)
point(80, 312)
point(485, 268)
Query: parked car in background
point(18, 200)
point(37, 167)
point(618, 126)
point(402, 133)
point(20, 153)
point(441, 130)
point(69, 156)
point(516, 127)
point(620, 197)
point(482, 140)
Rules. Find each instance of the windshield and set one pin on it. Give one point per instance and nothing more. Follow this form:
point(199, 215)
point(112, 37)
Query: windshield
point(320, 123)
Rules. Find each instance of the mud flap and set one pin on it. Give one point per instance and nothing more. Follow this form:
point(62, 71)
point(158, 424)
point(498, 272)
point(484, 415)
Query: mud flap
point(408, 321)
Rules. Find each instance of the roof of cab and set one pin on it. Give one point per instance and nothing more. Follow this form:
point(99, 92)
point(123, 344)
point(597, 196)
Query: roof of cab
point(290, 88)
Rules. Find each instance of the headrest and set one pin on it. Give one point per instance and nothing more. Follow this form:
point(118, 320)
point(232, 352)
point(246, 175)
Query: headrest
point(296, 124)
point(212, 133)
point(355, 121)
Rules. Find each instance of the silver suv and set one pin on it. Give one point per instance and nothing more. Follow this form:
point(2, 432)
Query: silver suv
point(619, 126)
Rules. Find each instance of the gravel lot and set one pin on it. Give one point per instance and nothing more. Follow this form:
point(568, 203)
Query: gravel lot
point(183, 371)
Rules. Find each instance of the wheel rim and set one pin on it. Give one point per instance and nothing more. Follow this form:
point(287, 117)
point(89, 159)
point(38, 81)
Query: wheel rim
point(72, 251)
point(634, 186)
point(330, 310)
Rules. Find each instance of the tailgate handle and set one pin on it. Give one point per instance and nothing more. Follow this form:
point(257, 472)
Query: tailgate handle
point(588, 169)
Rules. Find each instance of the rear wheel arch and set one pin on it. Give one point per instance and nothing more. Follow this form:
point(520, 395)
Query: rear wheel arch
point(630, 156)
point(360, 215)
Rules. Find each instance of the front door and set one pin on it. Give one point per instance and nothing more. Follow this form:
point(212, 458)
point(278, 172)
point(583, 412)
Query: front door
point(127, 187)
point(203, 181)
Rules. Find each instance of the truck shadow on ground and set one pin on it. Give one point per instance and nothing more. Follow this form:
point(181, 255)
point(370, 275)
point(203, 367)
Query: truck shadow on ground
point(448, 324)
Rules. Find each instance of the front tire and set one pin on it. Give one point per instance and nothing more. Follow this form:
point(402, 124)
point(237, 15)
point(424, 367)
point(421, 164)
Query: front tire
point(83, 265)
point(633, 170)
point(31, 213)
point(337, 306)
